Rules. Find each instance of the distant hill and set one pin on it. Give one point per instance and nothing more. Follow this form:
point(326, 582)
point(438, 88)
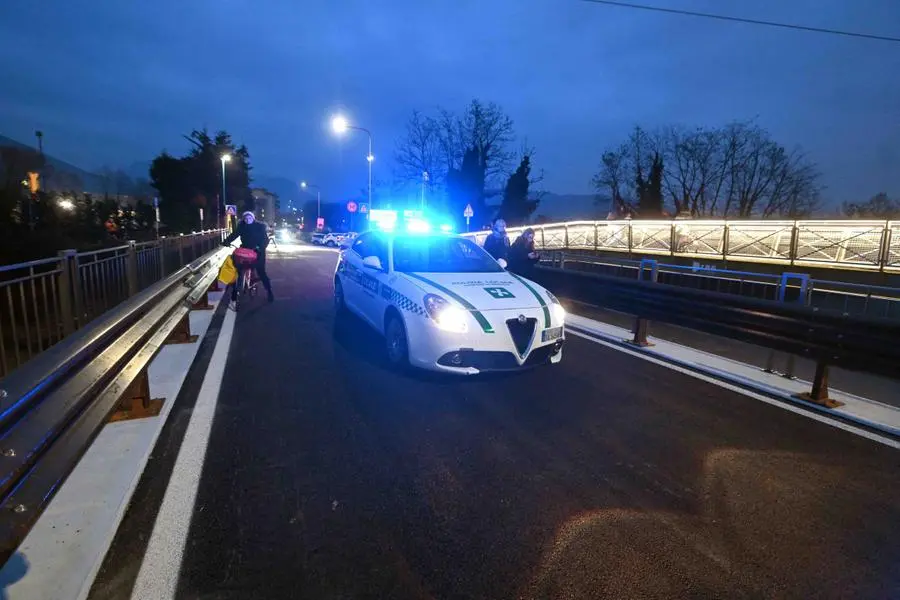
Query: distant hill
point(139, 170)
point(570, 207)
point(91, 182)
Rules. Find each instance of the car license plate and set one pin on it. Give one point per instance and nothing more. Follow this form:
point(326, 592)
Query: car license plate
point(548, 335)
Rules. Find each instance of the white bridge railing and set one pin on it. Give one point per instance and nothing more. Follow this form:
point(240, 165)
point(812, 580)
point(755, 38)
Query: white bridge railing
point(866, 245)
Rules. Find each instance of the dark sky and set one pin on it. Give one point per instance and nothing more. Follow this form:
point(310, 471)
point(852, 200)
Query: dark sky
point(111, 82)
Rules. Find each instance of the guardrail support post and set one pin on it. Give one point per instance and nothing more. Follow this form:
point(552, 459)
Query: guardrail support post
point(203, 302)
point(182, 332)
point(66, 291)
point(137, 402)
point(131, 269)
point(819, 393)
point(642, 325)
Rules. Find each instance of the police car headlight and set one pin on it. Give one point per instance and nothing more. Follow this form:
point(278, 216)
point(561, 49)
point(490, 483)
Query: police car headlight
point(558, 311)
point(445, 315)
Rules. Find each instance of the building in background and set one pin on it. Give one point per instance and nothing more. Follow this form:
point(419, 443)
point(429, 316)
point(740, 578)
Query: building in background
point(266, 205)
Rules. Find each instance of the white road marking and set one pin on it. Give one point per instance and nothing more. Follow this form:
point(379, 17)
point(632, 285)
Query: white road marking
point(161, 566)
point(740, 390)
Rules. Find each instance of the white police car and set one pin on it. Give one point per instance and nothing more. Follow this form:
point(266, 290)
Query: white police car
point(444, 304)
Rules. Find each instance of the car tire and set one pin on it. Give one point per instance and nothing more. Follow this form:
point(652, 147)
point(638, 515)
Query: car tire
point(330, 244)
point(340, 303)
point(396, 344)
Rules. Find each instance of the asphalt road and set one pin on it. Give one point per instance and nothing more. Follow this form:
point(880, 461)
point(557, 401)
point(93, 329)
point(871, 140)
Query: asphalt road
point(861, 384)
point(606, 476)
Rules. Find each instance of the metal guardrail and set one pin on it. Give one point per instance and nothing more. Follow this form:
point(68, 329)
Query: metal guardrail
point(860, 245)
point(850, 298)
point(43, 301)
point(830, 338)
point(53, 406)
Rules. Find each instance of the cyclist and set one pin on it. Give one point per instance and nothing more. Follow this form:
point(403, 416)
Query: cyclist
point(254, 236)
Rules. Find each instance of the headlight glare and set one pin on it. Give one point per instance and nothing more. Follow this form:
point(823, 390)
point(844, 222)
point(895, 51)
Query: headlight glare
point(445, 315)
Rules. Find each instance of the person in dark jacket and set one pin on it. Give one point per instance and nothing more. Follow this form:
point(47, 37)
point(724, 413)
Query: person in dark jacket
point(254, 236)
point(497, 244)
point(522, 256)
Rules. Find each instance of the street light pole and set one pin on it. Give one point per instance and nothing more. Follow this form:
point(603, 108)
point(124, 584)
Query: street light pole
point(305, 185)
point(339, 124)
point(225, 158)
point(369, 159)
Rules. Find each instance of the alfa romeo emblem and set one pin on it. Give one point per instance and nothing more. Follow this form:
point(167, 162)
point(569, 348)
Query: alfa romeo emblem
point(522, 319)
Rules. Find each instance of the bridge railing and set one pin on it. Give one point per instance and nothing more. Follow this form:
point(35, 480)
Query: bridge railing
point(827, 337)
point(850, 298)
point(53, 406)
point(864, 245)
point(43, 301)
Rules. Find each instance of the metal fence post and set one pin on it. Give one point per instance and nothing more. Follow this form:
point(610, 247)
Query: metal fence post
point(66, 293)
point(161, 248)
point(180, 242)
point(131, 269)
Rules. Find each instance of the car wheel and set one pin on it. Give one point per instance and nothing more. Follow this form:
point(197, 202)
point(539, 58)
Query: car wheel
point(330, 244)
point(340, 306)
point(396, 346)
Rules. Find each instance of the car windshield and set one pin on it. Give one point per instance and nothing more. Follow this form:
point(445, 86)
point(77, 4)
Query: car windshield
point(428, 254)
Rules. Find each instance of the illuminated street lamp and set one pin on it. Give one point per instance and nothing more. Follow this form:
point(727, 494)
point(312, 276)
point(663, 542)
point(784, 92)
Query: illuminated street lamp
point(225, 158)
point(305, 185)
point(66, 204)
point(340, 125)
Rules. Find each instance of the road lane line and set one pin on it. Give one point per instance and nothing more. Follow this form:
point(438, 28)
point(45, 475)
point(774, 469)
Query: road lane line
point(744, 391)
point(161, 566)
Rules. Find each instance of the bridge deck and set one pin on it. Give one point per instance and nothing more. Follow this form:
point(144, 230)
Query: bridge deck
point(328, 476)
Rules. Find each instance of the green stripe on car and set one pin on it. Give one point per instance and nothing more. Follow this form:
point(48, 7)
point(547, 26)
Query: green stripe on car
point(540, 298)
point(482, 320)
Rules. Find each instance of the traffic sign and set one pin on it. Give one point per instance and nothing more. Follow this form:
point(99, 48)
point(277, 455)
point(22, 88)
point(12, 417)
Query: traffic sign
point(363, 207)
point(468, 213)
point(351, 206)
point(320, 223)
point(231, 210)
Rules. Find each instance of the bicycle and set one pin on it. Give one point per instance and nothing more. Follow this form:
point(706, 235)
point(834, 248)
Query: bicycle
point(247, 284)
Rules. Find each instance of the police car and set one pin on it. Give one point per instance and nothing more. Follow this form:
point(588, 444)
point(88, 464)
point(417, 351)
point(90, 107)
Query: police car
point(442, 303)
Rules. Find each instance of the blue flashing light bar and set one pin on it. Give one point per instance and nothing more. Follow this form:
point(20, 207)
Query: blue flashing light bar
point(411, 221)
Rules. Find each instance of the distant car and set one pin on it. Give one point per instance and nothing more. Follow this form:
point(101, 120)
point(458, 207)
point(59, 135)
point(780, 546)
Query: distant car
point(442, 303)
point(333, 240)
point(317, 238)
point(284, 234)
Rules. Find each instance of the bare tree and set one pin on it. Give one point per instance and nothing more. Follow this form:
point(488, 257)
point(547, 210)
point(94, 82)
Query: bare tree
point(879, 206)
point(438, 144)
point(420, 151)
point(733, 171)
point(612, 178)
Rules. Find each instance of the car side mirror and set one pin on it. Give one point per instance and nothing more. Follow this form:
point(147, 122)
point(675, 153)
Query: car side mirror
point(373, 262)
point(501, 262)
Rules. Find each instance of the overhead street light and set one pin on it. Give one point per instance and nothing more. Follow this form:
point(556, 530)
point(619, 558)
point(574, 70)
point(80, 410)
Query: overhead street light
point(305, 185)
point(66, 204)
point(340, 124)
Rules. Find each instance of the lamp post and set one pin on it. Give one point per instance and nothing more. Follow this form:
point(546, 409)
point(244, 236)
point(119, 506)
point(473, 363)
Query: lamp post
point(225, 158)
point(305, 185)
point(340, 125)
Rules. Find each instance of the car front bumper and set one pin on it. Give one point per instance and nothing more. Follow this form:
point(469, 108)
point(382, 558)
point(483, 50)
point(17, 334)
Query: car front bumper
point(477, 351)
